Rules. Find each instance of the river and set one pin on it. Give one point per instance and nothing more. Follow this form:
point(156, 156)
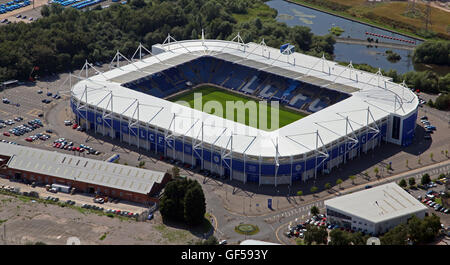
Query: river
point(321, 22)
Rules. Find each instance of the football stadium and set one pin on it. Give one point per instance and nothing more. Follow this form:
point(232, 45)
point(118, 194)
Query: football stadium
point(325, 114)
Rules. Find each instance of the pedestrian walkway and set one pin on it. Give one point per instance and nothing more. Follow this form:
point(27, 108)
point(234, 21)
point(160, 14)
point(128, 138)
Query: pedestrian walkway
point(301, 210)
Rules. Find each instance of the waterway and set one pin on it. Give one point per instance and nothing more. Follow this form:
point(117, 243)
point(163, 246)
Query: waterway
point(321, 22)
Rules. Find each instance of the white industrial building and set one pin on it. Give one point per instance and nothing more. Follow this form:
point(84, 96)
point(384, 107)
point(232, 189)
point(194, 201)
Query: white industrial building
point(375, 210)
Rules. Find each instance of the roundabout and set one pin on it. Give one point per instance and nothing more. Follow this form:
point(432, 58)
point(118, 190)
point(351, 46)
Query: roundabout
point(246, 229)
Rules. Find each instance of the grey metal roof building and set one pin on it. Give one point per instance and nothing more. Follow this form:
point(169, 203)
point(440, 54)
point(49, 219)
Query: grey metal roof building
point(81, 169)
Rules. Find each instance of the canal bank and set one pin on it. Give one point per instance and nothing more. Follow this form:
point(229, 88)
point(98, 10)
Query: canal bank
point(357, 51)
point(349, 17)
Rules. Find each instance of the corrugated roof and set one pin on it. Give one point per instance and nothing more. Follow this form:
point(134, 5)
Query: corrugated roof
point(81, 169)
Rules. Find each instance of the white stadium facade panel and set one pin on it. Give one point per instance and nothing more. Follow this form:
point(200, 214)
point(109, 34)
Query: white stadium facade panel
point(371, 109)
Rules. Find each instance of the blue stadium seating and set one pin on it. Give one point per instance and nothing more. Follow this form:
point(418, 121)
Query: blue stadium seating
point(234, 76)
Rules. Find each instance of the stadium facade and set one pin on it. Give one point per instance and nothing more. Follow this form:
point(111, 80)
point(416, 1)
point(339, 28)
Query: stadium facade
point(352, 111)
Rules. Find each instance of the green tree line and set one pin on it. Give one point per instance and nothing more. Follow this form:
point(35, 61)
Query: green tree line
point(433, 52)
point(65, 37)
point(426, 81)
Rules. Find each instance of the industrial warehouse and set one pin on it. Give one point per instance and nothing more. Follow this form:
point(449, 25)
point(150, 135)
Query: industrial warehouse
point(351, 111)
point(83, 174)
point(375, 210)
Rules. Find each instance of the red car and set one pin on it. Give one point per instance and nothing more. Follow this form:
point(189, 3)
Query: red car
point(28, 139)
point(6, 134)
point(75, 126)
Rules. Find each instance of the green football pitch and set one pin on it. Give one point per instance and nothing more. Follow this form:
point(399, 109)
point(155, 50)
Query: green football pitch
point(211, 94)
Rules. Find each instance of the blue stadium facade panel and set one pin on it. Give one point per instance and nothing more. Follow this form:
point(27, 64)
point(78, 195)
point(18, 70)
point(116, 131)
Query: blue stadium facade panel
point(342, 126)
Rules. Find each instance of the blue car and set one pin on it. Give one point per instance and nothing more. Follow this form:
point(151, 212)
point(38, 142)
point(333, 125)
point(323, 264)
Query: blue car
point(431, 127)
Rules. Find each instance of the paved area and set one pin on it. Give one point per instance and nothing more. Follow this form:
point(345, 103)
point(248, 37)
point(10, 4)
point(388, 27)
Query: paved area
point(29, 11)
point(35, 12)
point(80, 199)
point(24, 222)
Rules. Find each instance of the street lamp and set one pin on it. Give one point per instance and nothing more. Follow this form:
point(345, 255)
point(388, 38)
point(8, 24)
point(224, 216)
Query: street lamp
point(278, 198)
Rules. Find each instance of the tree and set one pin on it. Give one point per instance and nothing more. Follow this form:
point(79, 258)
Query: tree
point(212, 240)
point(137, 3)
point(300, 193)
point(396, 236)
point(175, 172)
point(327, 186)
point(172, 201)
point(402, 183)
point(45, 11)
point(358, 238)
point(183, 200)
point(339, 182)
point(412, 181)
point(313, 189)
point(432, 51)
point(352, 177)
point(316, 235)
point(315, 210)
point(339, 238)
point(431, 156)
point(407, 163)
point(376, 171)
point(194, 205)
point(425, 179)
point(366, 173)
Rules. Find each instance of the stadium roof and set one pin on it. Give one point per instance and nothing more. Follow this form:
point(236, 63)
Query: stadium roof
point(368, 92)
point(81, 169)
point(378, 204)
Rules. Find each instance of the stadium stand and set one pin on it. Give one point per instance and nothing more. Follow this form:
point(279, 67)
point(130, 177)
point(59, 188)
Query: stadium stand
point(234, 76)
